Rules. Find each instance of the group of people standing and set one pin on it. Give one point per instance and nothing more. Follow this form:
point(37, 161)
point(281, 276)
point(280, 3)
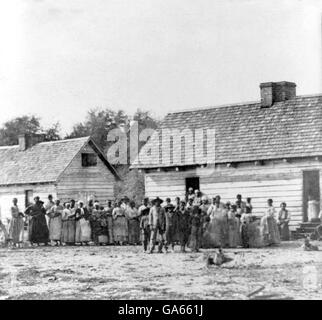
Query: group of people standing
point(75, 223)
point(193, 222)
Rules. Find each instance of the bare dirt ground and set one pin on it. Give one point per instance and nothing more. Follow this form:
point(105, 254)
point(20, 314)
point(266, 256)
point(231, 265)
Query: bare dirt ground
point(284, 272)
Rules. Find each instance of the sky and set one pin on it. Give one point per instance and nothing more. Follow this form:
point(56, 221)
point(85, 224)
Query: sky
point(59, 58)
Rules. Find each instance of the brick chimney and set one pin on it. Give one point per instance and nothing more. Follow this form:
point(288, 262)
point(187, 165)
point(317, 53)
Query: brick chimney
point(272, 92)
point(28, 140)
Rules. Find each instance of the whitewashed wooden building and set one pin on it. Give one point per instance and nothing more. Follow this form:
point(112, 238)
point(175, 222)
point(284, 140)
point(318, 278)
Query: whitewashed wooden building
point(67, 169)
point(271, 148)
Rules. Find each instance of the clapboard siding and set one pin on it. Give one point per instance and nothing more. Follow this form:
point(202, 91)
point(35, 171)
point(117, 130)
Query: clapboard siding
point(8, 193)
point(80, 182)
point(279, 180)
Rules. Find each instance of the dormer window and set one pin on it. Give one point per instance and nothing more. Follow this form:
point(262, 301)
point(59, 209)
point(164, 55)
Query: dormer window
point(89, 159)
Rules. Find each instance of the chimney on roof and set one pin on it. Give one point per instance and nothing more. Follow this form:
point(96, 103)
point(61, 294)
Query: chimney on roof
point(272, 92)
point(28, 140)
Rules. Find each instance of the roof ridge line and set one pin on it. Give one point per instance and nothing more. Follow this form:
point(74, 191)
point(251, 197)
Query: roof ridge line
point(64, 140)
point(216, 106)
point(237, 104)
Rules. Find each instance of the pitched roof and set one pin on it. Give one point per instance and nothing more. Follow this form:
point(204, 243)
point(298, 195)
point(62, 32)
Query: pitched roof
point(248, 132)
point(41, 163)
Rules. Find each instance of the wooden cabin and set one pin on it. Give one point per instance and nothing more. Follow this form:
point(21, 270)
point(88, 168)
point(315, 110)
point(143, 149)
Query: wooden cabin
point(67, 169)
point(270, 148)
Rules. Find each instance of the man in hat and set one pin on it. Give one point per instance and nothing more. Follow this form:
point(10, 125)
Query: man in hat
point(157, 224)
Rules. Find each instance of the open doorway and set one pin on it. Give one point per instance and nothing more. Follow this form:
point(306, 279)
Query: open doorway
point(193, 183)
point(311, 187)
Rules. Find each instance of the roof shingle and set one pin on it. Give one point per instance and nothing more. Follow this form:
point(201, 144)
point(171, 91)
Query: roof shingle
point(248, 132)
point(41, 163)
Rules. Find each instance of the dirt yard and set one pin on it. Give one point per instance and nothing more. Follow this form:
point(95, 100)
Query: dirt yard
point(285, 272)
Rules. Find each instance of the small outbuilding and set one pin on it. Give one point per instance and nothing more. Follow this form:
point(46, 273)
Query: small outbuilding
point(67, 169)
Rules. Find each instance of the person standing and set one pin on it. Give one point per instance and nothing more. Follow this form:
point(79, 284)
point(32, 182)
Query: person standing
point(109, 217)
point(240, 205)
point(197, 198)
point(284, 218)
point(184, 225)
point(68, 226)
point(49, 204)
point(38, 229)
point(204, 207)
point(16, 227)
point(95, 221)
point(170, 224)
point(145, 228)
point(55, 223)
point(78, 214)
point(218, 223)
point(83, 228)
point(157, 224)
point(248, 206)
point(233, 230)
point(190, 194)
point(120, 226)
point(269, 229)
point(196, 225)
point(85, 225)
point(133, 217)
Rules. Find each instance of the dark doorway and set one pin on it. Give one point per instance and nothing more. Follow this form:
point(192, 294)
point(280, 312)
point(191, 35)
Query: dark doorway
point(311, 187)
point(192, 183)
point(28, 197)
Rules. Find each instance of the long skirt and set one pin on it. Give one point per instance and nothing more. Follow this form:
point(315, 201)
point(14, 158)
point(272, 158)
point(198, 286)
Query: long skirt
point(134, 231)
point(269, 231)
point(244, 235)
point(78, 232)
point(102, 238)
point(233, 234)
point(3, 235)
point(85, 227)
point(216, 234)
point(284, 231)
point(110, 229)
point(255, 239)
point(195, 238)
point(68, 231)
point(120, 229)
point(16, 230)
point(55, 228)
point(38, 230)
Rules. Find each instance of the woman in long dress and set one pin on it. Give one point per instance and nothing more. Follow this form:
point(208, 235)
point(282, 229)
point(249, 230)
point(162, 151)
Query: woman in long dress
point(38, 230)
point(55, 223)
point(83, 226)
point(68, 229)
point(109, 217)
point(269, 229)
point(283, 221)
point(120, 226)
point(233, 231)
point(218, 226)
point(133, 217)
point(16, 227)
point(95, 223)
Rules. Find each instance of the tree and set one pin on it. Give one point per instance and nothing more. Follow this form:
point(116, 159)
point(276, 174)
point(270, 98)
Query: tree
point(11, 130)
point(97, 124)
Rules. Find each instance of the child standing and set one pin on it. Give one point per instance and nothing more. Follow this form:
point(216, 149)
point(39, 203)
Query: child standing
point(145, 228)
